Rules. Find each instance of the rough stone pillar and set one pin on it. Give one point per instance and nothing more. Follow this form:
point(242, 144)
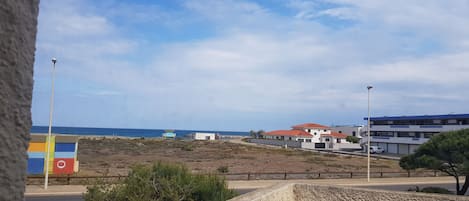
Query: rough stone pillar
point(18, 20)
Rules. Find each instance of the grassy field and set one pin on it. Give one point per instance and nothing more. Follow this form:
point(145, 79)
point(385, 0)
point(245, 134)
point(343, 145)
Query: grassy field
point(116, 156)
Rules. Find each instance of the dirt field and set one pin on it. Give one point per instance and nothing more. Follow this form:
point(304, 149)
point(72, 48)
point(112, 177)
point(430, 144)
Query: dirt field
point(116, 156)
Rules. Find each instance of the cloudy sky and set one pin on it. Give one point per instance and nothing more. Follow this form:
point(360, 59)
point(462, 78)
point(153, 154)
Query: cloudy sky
point(241, 65)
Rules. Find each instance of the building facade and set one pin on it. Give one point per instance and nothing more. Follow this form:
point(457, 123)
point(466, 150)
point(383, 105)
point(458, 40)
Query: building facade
point(310, 135)
point(403, 134)
point(352, 130)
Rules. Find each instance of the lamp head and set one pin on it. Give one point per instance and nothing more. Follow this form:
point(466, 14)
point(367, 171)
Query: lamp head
point(369, 87)
point(54, 60)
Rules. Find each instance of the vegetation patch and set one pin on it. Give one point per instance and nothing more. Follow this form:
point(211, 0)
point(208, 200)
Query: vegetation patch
point(161, 181)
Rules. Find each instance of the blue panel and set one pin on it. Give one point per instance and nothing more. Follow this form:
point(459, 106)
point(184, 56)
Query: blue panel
point(399, 126)
point(36, 155)
point(64, 147)
point(431, 126)
point(421, 117)
point(64, 155)
point(36, 166)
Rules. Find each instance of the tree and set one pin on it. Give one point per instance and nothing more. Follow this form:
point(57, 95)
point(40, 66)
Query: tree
point(256, 134)
point(352, 139)
point(447, 152)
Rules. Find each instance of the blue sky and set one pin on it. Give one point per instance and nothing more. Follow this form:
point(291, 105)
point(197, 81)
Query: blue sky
point(242, 65)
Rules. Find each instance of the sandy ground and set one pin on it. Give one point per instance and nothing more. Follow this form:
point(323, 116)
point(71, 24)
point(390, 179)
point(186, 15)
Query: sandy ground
point(114, 156)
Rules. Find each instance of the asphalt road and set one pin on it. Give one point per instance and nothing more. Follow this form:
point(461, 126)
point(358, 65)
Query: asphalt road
point(54, 198)
point(449, 186)
point(79, 197)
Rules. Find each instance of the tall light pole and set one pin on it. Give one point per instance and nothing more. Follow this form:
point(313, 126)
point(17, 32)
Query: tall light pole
point(368, 147)
point(49, 136)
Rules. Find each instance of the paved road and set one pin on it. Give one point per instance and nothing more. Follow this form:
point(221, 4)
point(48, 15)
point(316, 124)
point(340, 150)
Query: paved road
point(449, 186)
point(55, 198)
point(80, 198)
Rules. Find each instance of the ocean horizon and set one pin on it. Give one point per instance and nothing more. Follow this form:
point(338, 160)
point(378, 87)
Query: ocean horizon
point(125, 132)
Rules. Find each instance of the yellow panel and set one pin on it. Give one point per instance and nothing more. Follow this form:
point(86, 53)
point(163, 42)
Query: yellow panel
point(37, 147)
point(75, 166)
point(51, 154)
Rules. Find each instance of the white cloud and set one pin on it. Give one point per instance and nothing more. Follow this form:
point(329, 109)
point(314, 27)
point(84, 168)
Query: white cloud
point(258, 62)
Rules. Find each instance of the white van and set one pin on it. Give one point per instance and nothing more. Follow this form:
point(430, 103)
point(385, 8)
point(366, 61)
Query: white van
point(376, 150)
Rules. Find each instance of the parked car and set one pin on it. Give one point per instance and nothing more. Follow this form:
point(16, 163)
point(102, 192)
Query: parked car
point(376, 150)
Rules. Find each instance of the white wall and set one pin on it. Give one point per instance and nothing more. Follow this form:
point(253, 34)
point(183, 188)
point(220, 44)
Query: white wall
point(204, 136)
point(348, 130)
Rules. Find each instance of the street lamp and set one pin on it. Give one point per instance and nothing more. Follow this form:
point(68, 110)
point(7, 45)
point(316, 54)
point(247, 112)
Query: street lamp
point(51, 109)
point(368, 147)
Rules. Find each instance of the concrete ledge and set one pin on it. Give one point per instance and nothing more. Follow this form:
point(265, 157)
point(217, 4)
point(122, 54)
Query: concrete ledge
point(306, 192)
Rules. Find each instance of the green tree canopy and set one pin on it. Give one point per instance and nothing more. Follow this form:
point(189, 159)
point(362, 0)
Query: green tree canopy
point(352, 139)
point(447, 152)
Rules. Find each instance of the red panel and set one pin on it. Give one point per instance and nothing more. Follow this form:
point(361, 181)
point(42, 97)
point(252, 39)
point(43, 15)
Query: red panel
point(63, 165)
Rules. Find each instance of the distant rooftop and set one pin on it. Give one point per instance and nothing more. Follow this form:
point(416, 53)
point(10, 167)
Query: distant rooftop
point(420, 117)
point(309, 125)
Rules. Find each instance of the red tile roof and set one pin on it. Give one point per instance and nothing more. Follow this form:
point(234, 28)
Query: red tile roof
point(293, 133)
point(309, 125)
point(336, 135)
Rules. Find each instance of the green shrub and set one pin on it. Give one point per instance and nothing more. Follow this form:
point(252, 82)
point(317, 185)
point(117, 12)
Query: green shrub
point(166, 182)
point(352, 139)
point(439, 190)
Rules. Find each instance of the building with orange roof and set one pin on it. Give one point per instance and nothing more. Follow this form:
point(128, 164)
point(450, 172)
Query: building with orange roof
point(310, 135)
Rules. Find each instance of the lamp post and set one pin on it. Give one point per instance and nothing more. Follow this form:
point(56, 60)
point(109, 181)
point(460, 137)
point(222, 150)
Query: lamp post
point(51, 109)
point(368, 146)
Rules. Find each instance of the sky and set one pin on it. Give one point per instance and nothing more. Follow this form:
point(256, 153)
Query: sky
point(241, 65)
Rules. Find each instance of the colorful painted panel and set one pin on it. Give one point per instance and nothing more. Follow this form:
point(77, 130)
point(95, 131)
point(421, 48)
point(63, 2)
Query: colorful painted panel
point(36, 166)
point(37, 147)
point(63, 165)
point(64, 147)
point(51, 153)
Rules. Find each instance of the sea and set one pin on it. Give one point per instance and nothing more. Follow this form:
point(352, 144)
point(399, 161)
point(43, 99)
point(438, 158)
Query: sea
point(127, 132)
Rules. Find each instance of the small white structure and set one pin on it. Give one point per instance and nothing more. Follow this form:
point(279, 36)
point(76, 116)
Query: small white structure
point(204, 136)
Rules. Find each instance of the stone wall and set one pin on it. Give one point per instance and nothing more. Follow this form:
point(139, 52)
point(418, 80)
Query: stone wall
point(308, 192)
point(18, 22)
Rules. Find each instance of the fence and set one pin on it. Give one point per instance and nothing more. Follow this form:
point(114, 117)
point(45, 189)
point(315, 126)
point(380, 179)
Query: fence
point(84, 180)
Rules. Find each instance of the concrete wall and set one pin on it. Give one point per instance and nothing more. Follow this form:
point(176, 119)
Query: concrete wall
point(291, 144)
point(308, 192)
point(18, 22)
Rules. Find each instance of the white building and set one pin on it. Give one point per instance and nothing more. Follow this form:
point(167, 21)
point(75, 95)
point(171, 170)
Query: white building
point(403, 134)
point(310, 135)
point(204, 136)
point(353, 130)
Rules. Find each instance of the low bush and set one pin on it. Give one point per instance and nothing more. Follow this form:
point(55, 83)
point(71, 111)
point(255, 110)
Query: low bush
point(431, 189)
point(223, 169)
point(168, 182)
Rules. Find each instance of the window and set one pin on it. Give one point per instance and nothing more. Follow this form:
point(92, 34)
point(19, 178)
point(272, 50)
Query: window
point(452, 121)
point(301, 140)
point(327, 139)
point(315, 133)
point(325, 130)
point(308, 140)
point(289, 138)
point(428, 135)
point(338, 140)
point(340, 131)
point(354, 133)
point(309, 130)
point(405, 134)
